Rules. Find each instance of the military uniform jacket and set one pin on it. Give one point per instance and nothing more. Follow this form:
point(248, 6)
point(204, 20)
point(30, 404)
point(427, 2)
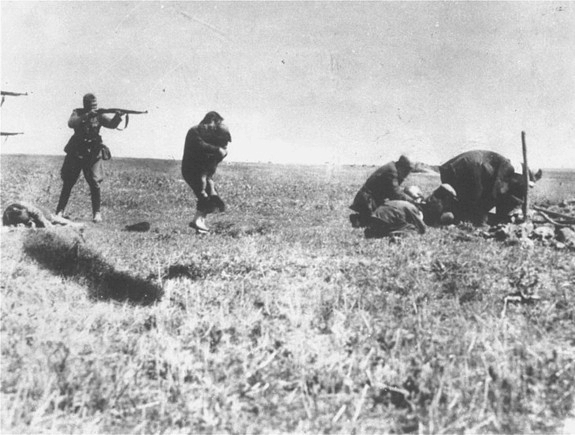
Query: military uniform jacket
point(384, 183)
point(86, 140)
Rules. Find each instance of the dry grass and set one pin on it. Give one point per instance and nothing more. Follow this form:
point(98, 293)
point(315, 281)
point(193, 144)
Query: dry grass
point(284, 320)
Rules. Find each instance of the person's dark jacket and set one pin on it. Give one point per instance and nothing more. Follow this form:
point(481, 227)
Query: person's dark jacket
point(395, 216)
point(382, 185)
point(201, 147)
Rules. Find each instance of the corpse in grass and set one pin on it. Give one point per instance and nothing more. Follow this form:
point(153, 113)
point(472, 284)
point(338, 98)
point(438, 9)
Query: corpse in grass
point(24, 214)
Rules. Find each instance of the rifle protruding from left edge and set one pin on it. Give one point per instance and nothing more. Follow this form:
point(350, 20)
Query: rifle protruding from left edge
point(11, 94)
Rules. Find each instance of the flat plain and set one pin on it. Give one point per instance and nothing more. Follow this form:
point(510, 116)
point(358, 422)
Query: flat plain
point(284, 319)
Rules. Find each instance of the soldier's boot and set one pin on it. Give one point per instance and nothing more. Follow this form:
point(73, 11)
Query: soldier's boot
point(96, 201)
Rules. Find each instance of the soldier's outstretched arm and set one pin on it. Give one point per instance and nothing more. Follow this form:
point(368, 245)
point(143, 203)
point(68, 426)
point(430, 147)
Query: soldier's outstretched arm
point(110, 121)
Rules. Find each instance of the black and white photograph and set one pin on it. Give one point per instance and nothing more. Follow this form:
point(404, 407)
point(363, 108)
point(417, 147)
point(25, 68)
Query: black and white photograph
point(295, 217)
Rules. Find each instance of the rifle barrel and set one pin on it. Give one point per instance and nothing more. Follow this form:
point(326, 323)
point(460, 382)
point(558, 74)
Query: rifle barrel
point(130, 112)
point(13, 94)
point(4, 133)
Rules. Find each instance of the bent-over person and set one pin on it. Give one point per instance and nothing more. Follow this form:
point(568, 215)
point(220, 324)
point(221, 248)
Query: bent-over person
point(85, 152)
point(383, 184)
point(205, 147)
point(395, 218)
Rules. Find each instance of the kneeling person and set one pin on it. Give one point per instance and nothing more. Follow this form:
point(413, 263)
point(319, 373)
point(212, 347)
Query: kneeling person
point(383, 185)
point(393, 218)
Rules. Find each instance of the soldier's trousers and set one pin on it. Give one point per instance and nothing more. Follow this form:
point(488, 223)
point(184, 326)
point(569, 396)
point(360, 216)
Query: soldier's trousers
point(93, 170)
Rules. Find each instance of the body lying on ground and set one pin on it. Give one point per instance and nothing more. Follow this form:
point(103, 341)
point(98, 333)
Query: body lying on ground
point(399, 217)
point(28, 215)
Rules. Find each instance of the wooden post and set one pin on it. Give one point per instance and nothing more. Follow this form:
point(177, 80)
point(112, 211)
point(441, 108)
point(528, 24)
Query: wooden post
point(525, 178)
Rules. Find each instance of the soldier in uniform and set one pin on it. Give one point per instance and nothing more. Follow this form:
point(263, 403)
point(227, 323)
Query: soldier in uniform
point(205, 147)
point(85, 152)
point(382, 185)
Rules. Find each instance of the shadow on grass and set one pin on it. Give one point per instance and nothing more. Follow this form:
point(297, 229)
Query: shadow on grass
point(191, 271)
point(66, 255)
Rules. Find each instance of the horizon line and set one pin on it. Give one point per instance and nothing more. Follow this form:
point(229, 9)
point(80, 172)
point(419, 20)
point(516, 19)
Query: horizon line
point(269, 162)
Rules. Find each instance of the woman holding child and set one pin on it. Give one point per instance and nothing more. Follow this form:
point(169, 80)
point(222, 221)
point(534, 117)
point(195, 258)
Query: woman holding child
point(205, 147)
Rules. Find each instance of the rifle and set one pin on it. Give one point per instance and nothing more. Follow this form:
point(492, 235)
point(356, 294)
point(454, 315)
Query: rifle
point(11, 94)
point(122, 112)
point(5, 133)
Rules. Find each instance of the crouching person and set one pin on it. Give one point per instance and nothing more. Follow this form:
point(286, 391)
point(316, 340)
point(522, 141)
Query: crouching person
point(395, 218)
point(383, 185)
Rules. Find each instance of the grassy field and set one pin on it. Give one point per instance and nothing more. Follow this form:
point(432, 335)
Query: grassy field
point(285, 319)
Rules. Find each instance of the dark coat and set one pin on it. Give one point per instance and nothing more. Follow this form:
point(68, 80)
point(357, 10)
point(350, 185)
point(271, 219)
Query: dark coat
point(482, 180)
point(382, 185)
point(200, 161)
point(201, 150)
point(394, 217)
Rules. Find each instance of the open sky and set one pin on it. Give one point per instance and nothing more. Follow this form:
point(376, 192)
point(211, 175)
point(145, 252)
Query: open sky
point(298, 82)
